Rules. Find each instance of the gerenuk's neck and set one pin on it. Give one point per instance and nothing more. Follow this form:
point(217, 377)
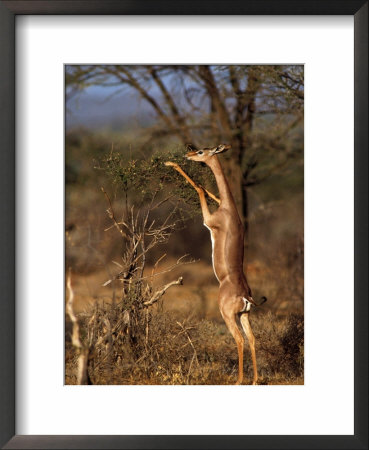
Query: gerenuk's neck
point(224, 191)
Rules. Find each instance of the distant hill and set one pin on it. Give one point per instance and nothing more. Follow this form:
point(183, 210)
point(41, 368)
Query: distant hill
point(117, 112)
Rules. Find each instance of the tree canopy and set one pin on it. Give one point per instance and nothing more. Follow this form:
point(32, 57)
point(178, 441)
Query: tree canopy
point(258, 109)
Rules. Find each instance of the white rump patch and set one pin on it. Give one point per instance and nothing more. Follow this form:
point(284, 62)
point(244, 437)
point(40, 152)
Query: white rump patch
point(247, 305)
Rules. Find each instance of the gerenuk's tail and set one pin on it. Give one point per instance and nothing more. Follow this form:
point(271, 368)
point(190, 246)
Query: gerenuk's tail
point(262, 301)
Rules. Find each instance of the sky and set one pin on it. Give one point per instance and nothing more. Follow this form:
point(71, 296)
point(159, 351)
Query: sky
point(106, 108)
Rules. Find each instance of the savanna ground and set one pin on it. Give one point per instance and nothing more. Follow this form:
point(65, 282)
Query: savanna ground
point(182, 338)
point(188, 342)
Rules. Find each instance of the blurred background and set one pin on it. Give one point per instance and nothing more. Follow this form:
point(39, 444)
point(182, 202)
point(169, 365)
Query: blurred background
point(138, 113)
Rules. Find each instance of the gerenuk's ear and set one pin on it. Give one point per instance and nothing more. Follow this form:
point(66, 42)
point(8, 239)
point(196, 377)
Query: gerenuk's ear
point(221, 148)
point(191, 147)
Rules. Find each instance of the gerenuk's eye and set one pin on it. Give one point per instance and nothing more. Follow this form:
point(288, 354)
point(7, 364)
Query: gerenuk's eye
point(200, 152)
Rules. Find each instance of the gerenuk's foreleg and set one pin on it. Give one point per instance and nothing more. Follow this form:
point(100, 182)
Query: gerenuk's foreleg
point(192, 183)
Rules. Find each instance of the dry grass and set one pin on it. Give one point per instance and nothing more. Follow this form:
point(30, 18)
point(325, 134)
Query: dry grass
point(187, 341)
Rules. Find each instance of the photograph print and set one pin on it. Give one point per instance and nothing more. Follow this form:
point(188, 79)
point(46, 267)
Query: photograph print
point(184, 224)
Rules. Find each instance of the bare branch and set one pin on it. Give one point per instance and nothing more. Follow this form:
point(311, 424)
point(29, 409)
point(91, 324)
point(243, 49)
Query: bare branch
point(207, 77)
point(179, 262)
point(183, 130)
point(159, 294)
point(110, 212)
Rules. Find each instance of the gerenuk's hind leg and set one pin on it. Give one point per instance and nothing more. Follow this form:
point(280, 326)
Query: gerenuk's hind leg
point(230, 320)
point(244, 319)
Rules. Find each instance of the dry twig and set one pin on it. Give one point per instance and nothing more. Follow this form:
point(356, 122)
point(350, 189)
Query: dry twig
point(82, 350)
point(111, 214)
point(194, 357)
point(161, 292)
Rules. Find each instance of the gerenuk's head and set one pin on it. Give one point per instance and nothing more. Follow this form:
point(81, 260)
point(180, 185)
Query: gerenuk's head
point(204, 154)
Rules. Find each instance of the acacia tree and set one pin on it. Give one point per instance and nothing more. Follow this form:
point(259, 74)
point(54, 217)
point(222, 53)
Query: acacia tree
point(257, 109)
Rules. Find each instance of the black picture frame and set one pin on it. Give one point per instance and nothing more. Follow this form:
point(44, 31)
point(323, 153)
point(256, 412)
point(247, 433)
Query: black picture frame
point(8, 12)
